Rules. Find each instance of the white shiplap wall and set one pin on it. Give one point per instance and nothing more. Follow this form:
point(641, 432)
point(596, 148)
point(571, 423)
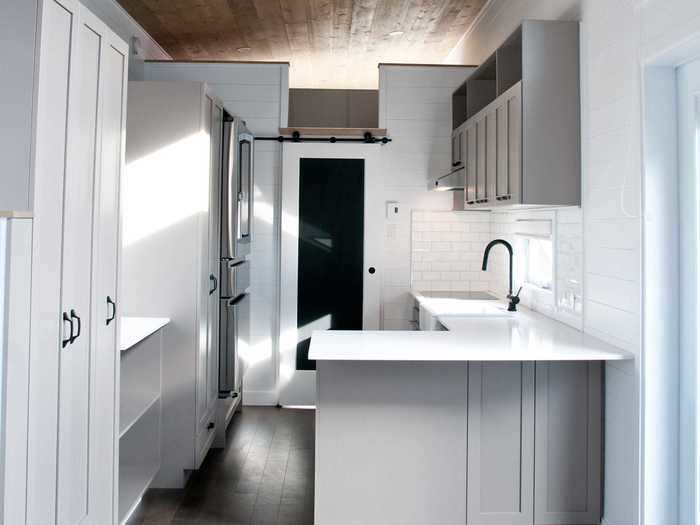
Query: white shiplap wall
point(617, 36)
point(258, 94)
point(415, 107)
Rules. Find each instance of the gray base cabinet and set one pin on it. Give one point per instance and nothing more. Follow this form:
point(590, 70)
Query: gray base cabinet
point(568, 416)
point(500, 441)
point(534, 443)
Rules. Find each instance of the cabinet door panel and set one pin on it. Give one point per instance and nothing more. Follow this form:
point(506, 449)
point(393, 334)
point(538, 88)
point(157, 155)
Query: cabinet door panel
point(481, 159)
point(515, 137)
point(106, 262)
point(491, 155)
point(500, 444)
point(204, 312)
point(73, 482)
point(458, 153)
point(58, 29)
point(502, 170)
point(470, 192)
point(568, 408)
point(214, 264)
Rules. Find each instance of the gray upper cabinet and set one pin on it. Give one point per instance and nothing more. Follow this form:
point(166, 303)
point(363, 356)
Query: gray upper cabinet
point(470, 186)
point(525, 103)
point(459, 153)
point(568, 412)
point(500, 443)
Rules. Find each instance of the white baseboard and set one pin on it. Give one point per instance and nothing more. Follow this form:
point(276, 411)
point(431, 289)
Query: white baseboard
point(260, 398)
point(603, 521)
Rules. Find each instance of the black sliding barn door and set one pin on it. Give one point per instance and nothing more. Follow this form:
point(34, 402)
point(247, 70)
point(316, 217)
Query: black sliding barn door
point(331, 234)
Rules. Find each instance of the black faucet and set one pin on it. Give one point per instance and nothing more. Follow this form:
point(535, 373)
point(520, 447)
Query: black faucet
point(514, 299)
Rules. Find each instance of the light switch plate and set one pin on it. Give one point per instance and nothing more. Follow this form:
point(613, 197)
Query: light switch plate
point(393, 211)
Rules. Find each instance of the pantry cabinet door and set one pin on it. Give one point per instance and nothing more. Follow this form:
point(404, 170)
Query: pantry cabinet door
point(73, 484)
point(105, 296)
point(500, 443)
point(58, 35)
point(205, 414)
point(214, 252)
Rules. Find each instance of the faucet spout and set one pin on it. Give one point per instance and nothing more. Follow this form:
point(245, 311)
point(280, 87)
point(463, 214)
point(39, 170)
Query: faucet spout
point(514, 299)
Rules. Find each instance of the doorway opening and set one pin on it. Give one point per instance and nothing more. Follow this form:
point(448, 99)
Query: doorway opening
point(330, 249)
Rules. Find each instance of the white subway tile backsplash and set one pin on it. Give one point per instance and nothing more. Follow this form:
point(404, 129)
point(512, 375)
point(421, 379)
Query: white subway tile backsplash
point(446, 246)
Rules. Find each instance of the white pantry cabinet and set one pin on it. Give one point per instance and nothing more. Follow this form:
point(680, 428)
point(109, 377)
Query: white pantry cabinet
point(171, 255)
point(80, 116)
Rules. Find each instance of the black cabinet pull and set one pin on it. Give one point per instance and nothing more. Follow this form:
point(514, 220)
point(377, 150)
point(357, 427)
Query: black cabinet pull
point(113, 305)
point(75, 316)
point(210, 425)
point(65, 342)
point(215, 282)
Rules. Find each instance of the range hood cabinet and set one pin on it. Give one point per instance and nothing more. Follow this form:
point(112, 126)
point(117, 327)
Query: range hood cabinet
point(453, 181)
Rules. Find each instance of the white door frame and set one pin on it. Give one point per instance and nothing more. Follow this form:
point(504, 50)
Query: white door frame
point(298, 387)
point(668, 465)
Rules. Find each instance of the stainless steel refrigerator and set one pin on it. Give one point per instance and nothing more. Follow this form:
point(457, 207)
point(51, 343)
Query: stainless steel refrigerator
point(236, 237)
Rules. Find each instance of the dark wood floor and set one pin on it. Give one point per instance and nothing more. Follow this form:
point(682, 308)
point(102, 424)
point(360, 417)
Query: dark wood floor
point(264, 476)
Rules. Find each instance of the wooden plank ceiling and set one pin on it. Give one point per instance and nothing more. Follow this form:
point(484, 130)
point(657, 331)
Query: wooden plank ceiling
point(329, 43)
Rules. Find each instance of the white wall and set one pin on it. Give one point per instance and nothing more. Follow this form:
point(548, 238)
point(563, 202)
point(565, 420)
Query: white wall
point(616, 37)
point(415, 107)
point(258, 94)
point(18, 42)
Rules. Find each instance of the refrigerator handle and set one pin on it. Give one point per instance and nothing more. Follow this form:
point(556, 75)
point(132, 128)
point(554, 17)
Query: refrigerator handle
point(236, 300)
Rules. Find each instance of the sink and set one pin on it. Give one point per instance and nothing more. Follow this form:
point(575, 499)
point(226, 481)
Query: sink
point(480, 309)
point(461, 296)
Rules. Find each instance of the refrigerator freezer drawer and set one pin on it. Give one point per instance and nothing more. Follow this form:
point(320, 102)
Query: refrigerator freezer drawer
point(234, 316)
point(235, 278)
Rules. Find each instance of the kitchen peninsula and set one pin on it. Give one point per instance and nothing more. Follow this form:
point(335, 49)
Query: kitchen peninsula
point(497, 420)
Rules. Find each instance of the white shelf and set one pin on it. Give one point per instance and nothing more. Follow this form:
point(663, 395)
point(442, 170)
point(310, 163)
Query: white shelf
point(133, 419)
point(140, 370)
point(139, 459)
point(141, 342)
point(134, 480)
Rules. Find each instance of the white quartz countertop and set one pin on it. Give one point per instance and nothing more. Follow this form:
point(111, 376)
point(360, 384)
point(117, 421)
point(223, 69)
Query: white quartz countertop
point(524, 336)
point(133, 330)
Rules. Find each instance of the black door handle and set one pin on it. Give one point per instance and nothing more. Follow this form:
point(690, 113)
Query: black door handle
point(65, 342)
point(371, 270)
point(111, 303)
point(73, 315)
point(215, 281)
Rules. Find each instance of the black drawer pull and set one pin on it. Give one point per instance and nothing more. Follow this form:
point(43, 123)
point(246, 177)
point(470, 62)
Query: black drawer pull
point(75, 316)
point(113, 305)
point(65, 342)
point(211, 425)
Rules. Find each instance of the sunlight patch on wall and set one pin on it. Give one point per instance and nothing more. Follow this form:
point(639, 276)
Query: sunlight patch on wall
point(160, 189)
